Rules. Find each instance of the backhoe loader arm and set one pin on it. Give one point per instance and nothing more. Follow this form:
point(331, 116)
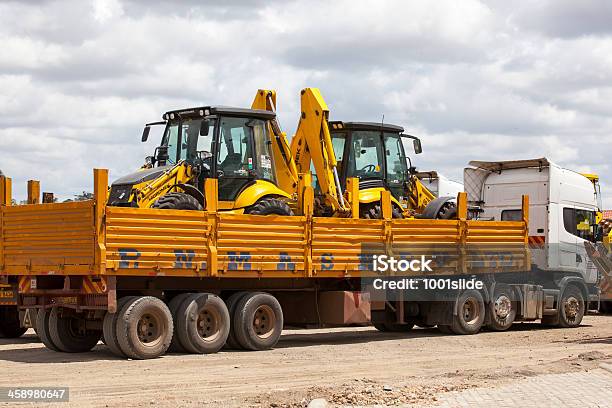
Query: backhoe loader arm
point(286, 172)
point(312, 143)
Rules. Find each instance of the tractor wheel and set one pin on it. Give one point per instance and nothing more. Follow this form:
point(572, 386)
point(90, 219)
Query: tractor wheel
point(470, 313)
point(177, 201)
point(448, 211)
point(69, 333)
point(144, 329)
point(571, 307)
point(502, 308)
point(269, 206)
point(374, 212)
point(109, 326)
point(10, 325)
point(258, 321)
point(203, 323)
point(42, 328)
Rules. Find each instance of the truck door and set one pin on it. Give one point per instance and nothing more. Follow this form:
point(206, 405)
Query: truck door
point(578, 228)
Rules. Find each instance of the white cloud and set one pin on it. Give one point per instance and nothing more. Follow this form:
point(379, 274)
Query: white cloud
point(477, 80)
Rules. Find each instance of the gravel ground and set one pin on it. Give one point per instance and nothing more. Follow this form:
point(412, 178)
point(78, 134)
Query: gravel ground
point(347, 366)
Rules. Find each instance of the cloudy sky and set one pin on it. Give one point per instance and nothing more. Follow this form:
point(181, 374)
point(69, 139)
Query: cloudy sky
point(475, 80)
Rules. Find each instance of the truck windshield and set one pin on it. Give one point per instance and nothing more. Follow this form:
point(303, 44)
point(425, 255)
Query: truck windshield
point(366, 158)
point(177, 142)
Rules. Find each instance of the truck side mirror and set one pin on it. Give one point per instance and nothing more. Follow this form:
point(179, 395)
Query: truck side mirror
point(161, 154)
point(145, 133)
point(204, 126)
point(418, 149)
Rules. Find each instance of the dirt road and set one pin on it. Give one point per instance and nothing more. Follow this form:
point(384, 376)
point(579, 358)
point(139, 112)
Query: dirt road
point(346, 366)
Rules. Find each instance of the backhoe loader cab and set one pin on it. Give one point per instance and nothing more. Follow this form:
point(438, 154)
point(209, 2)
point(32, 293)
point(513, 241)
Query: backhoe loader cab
point(374, 153)
point(230, 144)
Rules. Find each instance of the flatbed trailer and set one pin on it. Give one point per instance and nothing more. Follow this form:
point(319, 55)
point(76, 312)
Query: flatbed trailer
point(146, 278)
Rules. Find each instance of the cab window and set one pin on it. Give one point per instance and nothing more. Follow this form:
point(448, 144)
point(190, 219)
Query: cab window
point(580, 223)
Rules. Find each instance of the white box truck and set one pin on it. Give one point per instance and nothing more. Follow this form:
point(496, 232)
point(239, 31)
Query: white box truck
point(562, 218)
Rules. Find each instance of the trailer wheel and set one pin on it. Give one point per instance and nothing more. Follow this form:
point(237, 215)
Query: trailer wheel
point(203, 323)
point(446, 329)
point(173, 306)
point(42, 328)
point(381, 327)
point(69, 333)
point(258, 321)
point(10, 325)
point(109, 326)
point(144, 329)
point(571, 307)
point(502, 308)
point(398, 327)
point(470, 313)
point(232, 303)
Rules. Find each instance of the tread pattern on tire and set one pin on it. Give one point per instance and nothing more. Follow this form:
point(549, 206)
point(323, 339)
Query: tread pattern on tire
point(270, 206)
point(42, 324)
point(177, 201)
point(374, 212)
point(231, 303)
point(174, 305)
point(109, 327)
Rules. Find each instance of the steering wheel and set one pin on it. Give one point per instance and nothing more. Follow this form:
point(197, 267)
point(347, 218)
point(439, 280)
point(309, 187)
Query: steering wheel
point(370, 168)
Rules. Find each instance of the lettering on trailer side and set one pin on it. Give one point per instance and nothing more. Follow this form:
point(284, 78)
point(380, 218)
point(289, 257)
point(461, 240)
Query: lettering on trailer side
point(128, 256)
point(284, 262)
point(365, 262)
point(327, 262)
point(184, 258)
point(239, 261)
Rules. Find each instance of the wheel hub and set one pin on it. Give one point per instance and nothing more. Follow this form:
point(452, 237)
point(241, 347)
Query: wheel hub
point(264, 321)
point(148, 329)
point(208, 324)
point(503, 306)
point(470, 310)
point(572, 307)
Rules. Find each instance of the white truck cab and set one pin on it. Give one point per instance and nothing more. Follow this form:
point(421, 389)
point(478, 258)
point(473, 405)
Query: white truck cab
point(439, 185)
point(563, 206)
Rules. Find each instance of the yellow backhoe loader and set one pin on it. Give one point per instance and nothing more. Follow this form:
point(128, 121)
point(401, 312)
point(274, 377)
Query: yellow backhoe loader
point(236, 146)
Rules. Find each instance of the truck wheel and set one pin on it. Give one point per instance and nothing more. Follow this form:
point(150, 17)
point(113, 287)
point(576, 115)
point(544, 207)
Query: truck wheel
point(258, 321)
point(381, 327)
point(448, 211)
point(203, 323)
point(109, 327)
point(374, 212)
point(501, 309)
point(144, 329)
point(232, 303)
point(470, 313)
point(445, 329)
point(173, 306)
point(42, 328)
point(399, 328)
point(177, 201)
point(269, 206)
point(10, 325)
point(571, 307)
point(69, 334)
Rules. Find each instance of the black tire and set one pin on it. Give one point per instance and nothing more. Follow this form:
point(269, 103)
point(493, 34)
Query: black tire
point(501, 310)
point(177, 201)
point(605, 307)
point(446, 329)
point(69, 335)
point(571, 307)
point(173, 306)
point(203, 323)
point(374, 212)
point(150, 313)
point(470, 313)
point(258, 321)
point(448, 211)
point(10, 325)
point(232, 303)
point(109, 326)
point(269, 206)
point(42, 328)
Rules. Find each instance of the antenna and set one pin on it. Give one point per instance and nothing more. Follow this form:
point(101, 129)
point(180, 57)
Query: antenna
point(382, 122)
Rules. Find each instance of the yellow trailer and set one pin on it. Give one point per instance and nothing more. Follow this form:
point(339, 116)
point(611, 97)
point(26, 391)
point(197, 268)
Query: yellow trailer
point(145, 279)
